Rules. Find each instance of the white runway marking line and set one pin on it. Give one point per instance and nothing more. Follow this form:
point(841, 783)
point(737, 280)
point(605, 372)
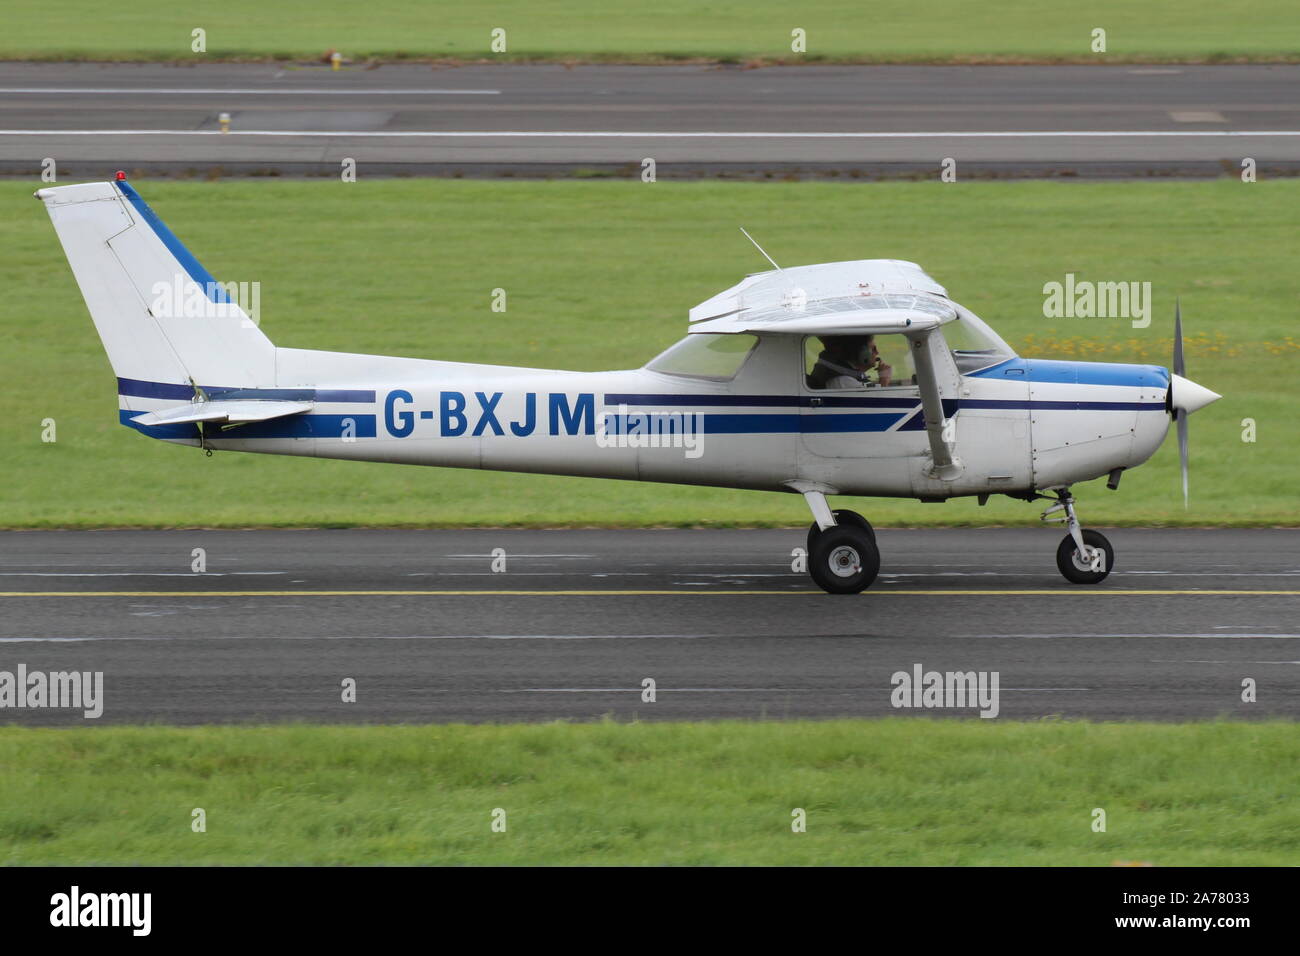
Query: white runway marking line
point(735, 690)
point(1171, 661)
point(133, 574)
point(704, 574)
point(63, 640)
point(593, 637)
point(656, 134)
point(517, 574)
point(1217, 637)
point(670, 592)
point(366, 637)
point(521, 555)
point(160, 91)
point(1218, 574)
point(664, 690)
point(1019, 573)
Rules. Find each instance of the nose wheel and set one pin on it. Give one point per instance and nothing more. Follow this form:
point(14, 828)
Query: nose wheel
point(1085, 567)
point(1084, 556)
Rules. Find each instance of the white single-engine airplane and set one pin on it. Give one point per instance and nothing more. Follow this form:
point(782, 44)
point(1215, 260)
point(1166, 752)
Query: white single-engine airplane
point(845, 378)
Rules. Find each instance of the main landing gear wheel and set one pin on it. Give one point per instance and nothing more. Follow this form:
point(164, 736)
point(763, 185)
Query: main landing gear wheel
point(843, 559)
point(842, 517)
point(1085, 568)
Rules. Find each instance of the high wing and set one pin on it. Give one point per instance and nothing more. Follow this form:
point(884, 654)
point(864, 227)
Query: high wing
point(834, 297)
point(234, 412)
point(861, 297)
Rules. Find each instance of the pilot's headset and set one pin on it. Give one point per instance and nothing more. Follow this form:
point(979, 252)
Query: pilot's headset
point(857, 350)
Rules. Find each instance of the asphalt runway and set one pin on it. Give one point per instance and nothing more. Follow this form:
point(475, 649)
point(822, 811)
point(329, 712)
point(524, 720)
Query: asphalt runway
point(579, 619)
point(518, 119)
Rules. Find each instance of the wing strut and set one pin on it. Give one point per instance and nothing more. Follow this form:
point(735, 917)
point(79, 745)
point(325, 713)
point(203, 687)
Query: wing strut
point(946, 465)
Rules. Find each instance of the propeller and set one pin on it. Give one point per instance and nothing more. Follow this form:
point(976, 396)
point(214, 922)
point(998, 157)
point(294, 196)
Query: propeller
point(1184, 396)
point(1180, 415)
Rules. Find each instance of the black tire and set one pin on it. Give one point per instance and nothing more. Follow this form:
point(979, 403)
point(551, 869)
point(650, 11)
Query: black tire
point(844, 559)
point(1077, 572)
point(842, 517)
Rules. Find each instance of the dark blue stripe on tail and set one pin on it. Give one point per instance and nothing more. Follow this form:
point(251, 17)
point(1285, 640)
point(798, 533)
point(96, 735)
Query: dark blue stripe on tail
point(177, 248)
point(140, 389)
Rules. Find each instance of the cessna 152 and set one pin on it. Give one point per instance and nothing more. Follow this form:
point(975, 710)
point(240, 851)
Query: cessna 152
point(740, 402)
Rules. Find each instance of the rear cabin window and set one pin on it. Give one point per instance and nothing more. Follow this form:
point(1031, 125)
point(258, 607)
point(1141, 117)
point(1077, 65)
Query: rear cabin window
point(706, 355)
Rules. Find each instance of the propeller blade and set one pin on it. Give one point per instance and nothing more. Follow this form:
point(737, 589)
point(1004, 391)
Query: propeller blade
point(1181, 418)
point(1178, 368)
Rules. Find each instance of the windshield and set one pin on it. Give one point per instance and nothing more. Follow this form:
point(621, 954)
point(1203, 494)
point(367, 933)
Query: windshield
point(974, 345)
point(706, 355)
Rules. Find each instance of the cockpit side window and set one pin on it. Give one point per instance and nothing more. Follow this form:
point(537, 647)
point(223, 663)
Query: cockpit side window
point(857, 361)
point(708, 355)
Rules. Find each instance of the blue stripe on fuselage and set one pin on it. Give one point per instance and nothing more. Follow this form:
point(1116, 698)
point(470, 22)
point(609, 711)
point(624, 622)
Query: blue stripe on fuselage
point(761, 401)
point(1040, 405)
point(776, 423)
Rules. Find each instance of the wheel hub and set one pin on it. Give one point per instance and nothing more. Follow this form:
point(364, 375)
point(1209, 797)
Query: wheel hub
point(1083, 559)
point(845, 562)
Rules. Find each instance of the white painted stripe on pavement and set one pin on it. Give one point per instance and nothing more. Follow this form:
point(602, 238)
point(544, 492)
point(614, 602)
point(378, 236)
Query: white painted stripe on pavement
point(159, 91)
point(656, 134)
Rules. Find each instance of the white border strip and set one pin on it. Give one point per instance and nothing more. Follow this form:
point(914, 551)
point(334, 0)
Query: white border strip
point(159, 91)
point(609, 134)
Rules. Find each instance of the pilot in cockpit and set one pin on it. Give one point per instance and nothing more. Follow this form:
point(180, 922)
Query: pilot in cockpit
point(845, 362)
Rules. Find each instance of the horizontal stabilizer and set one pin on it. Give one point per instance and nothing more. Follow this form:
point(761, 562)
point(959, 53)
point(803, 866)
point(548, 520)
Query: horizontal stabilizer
point(236, 412)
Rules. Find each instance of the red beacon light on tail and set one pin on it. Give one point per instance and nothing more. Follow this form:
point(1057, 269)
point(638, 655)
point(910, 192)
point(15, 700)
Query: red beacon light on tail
point(121, 175)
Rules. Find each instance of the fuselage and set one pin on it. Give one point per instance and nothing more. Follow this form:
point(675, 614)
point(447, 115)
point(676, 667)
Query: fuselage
point(1018, 425)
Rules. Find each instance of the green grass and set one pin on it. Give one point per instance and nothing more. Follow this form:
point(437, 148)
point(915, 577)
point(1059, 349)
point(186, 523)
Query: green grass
point(898, 792)
point(600, 275)
point(730, 30)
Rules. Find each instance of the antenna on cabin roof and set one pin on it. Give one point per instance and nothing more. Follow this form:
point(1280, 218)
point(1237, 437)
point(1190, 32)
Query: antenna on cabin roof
point(761, 249)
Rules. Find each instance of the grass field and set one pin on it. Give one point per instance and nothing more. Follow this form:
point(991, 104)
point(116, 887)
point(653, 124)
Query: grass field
point(600, 274)
point(898, 792)
point(731, 30)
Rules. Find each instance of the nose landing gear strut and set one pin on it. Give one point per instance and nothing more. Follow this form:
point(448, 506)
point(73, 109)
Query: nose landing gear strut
point(1084, 556)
